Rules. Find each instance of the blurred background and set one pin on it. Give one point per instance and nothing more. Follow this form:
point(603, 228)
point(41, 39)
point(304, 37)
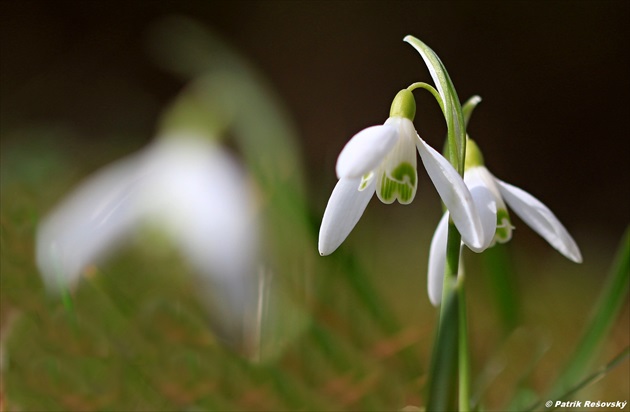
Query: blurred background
point(81, 86)
point(552, 78)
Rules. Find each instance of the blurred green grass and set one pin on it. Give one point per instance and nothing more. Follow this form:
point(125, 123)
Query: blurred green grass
point(137, 338)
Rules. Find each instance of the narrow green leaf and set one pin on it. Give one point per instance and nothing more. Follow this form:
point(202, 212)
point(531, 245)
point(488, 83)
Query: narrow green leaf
point(464, 394)
point(605, 313)
point(452, 108)
point(469, 106)
point(589, 380)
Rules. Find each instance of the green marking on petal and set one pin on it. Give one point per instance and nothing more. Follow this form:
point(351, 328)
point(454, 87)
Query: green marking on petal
point(365, 181)
point(400, 185)
point(504, 226)
point(405, 172)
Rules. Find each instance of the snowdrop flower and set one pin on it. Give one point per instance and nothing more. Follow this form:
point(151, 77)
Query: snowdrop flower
point(490, 196)
point(382, 159)
point(188, 186)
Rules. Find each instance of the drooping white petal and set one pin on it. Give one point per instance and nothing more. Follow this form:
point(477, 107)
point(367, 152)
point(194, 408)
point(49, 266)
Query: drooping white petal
point(363, 153)
point(200, 196)
point(89, 223)
point(454, 194)
point(191, 189)
point(345, 206)
point(485, 199)
point(186, 185)
point(541, 219)
point(437, 260)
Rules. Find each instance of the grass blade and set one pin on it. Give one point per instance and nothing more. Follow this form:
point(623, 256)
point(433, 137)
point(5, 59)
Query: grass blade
point(610, 301)
point(596, 376)
point(497, 270)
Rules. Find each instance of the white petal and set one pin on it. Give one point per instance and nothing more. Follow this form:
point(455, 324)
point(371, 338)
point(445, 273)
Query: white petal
point(485, 202)
point(191, 189)
point(89, 223)
point(541, 219)
point(437, 260)
point(185, 185)
point(365, 151)
point(454, 194)
point(345, 207)
point(200, 195)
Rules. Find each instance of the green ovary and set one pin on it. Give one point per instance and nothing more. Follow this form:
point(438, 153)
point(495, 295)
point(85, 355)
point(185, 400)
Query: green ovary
point(401, 184)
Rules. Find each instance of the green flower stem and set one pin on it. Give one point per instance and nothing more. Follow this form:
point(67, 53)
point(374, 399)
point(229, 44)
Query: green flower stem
point(430, 89)
point(452, 338)
point(463, 350)
point(456, 283)
point(441, 386)
point(450, 343)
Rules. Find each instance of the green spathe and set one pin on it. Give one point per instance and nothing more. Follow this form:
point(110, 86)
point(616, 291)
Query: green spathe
point(473, 155)
point(404, 105)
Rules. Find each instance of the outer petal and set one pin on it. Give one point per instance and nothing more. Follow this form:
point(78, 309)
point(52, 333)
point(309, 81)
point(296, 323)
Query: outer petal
point(454, 194)
point(485, 201)
point(199, 194)
point(89, 223)
point(541, 219)
point(345, 207)
point(437, 259)
point(365, 151)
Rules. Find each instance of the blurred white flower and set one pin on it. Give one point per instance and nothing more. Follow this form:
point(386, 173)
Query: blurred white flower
point(490, 196)
point(192, 188)
point(382, 159)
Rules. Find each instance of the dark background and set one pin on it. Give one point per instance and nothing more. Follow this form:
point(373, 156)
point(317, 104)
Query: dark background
point(553, 77)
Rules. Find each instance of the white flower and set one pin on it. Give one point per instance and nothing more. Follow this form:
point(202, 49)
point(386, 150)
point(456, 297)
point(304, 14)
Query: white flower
point(188, 186)
point(382, 159)
point(490, 196)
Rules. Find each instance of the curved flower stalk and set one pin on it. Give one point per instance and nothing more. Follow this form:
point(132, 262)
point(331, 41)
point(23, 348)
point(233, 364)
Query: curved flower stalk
point(490, 196)
point(188, 186)
point(382, 159)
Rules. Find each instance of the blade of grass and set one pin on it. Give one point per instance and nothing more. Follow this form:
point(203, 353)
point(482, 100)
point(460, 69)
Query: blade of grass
point(373, 303)
point(589, 380)
point(605, 313)
point(497, 269)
